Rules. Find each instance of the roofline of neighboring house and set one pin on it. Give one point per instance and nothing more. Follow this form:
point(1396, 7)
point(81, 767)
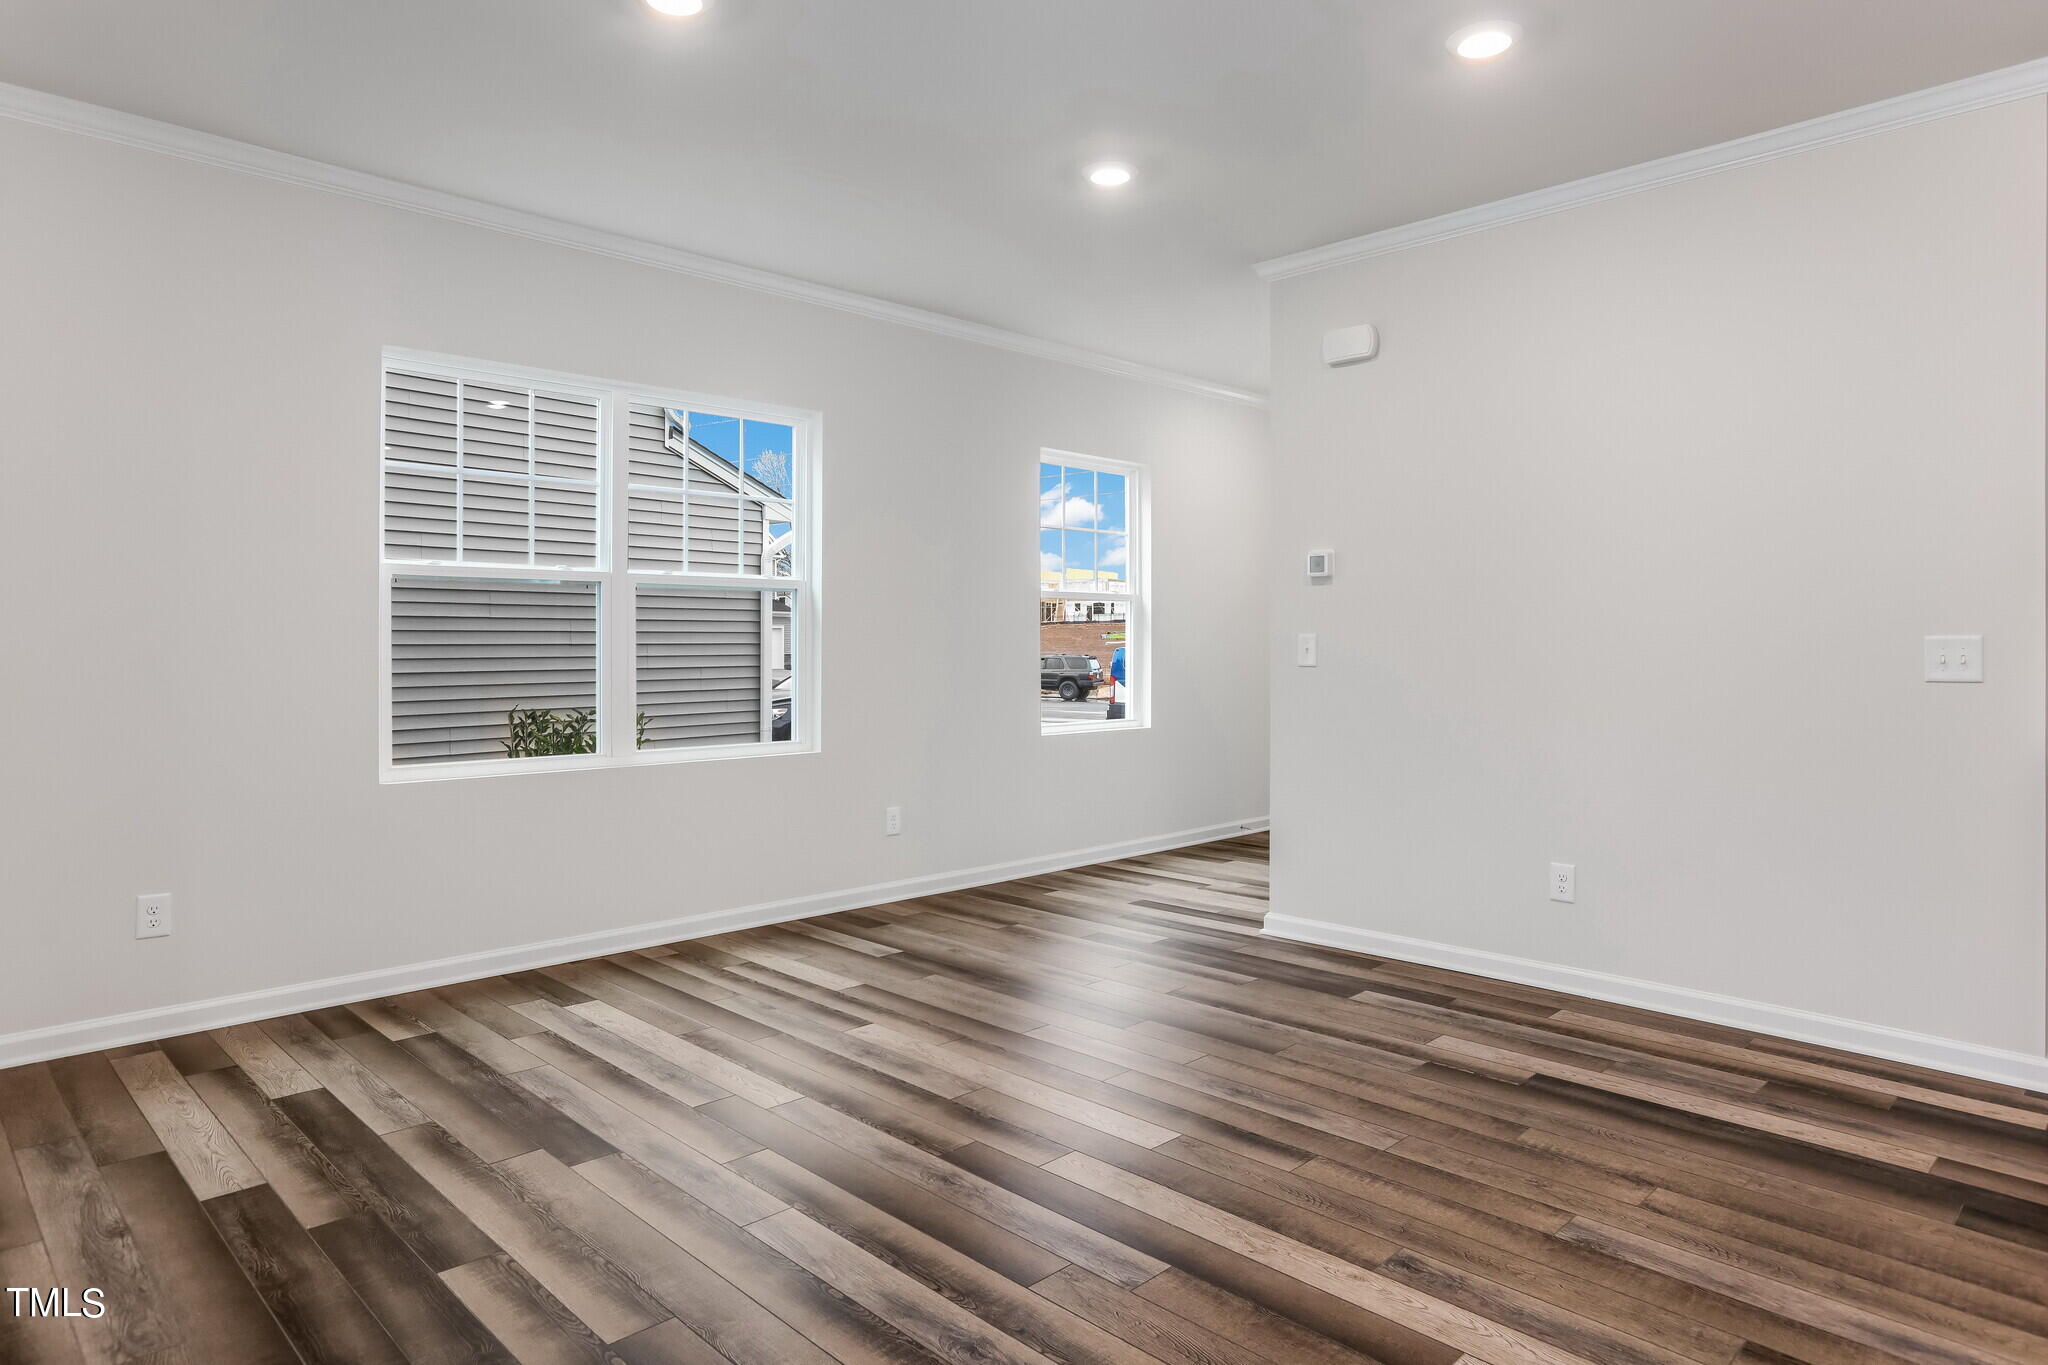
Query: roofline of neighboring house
point(741, 481)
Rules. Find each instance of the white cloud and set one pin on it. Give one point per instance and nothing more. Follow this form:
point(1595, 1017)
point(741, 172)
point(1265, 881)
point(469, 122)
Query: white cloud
point(1080, 512)
point(1050, 563)
point(1058, 507)
point(1116, 558)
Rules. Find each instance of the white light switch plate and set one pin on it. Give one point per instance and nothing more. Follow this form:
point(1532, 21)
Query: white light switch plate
point(1954, 658)
point(1305, 651)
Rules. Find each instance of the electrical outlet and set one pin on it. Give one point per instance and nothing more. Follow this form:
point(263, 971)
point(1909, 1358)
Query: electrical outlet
point(1564, 882)
point(153, 915)
point(892, 820)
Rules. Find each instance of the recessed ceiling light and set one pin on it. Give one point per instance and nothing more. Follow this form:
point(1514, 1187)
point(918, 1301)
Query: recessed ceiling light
point(1109, 175)
point(1480, 42)
point(679, 8)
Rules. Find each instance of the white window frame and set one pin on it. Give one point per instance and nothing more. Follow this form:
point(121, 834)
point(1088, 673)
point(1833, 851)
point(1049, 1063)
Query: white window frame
point(1137, 599)
point(616, 685)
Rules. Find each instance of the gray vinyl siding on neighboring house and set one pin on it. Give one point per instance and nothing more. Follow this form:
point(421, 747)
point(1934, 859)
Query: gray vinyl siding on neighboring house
point(671, 502)
point(483, 467)
point(465, 651)
point(701, 665)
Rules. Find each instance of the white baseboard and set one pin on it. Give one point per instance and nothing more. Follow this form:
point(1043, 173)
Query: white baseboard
point(1874, 1040)
point(169, 1021)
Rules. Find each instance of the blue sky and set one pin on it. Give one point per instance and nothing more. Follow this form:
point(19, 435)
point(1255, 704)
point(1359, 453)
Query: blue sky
point(1083, 519)
point(730, 438)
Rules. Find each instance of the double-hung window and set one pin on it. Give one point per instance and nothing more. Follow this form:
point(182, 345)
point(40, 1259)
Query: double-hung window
point(583, 574)
point(1093, 662)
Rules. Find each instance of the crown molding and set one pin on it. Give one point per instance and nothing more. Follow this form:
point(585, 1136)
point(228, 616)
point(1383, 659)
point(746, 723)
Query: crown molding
point(1959, 97)
point(132, 130)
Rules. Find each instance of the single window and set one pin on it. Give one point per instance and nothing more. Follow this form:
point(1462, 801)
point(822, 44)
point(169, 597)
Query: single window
point(1092, 594)
point(583, 574)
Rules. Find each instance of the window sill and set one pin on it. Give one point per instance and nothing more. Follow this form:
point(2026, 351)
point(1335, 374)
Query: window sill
point(1093, 727)
point(391, 775)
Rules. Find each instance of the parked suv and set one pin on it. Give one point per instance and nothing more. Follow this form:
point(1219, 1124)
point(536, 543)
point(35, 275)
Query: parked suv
point(1073, 676)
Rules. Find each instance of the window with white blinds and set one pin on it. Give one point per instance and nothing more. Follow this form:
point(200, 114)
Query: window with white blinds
point(577, 574)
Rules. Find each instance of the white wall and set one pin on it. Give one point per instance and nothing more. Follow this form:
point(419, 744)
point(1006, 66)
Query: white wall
point(191, 370)
point(1640, 518)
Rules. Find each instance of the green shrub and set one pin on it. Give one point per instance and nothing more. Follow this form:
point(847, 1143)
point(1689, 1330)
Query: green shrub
point(536, 732)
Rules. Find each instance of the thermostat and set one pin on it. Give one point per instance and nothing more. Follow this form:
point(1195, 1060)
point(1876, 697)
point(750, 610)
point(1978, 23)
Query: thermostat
point(1322, 563)
point(1349, 345)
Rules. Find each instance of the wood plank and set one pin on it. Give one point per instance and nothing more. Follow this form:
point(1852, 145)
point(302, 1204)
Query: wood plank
point(843, 1330)
point(509, 1105)
point(311, 1302)
point(26, 1339)
point(1271, 1291)
point(108, 1121)
point(267, 1064)
point(950, 1332)
point(472, 1124)
point(669, 1157)
point(636, 1096)
point(1001, 1249)
point(209, 1303)
point(1161, 1334)
point(348, 1080)
point(426, 1319)
point(668, 1343)
point(387, 1020)
point(650, 1067)
point(1258, 1330)
point(209, 1158)
point(486, 1044)
point(602, 1296)
point(720, 1072)
point(1453, 1326)
point(710, 1306)
point(1885, 1334)
point(1027, 1316)
point(194, 1052)
point(1071, 1241)
point(90, 1245)
point(32, 1110)
point(479, 1001)
point(518, 1310)
point(17, 1218)
point(286, 1157)
point(879, 1100)
point(378, 1182)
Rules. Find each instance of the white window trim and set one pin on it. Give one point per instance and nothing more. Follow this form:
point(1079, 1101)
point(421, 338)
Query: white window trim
point(617, 747)
point(1137, 598)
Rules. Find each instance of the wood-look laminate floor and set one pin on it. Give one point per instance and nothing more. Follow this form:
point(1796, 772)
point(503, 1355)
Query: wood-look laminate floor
point(1090, 1116)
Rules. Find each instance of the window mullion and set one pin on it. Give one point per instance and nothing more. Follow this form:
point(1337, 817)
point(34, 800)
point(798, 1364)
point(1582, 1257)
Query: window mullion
point(533, 492)
point(619, 683)
point(461, 476)
point(768, 661)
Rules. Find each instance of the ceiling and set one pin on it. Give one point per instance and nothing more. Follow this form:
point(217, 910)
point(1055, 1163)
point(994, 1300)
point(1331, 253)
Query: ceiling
point(930, 151)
